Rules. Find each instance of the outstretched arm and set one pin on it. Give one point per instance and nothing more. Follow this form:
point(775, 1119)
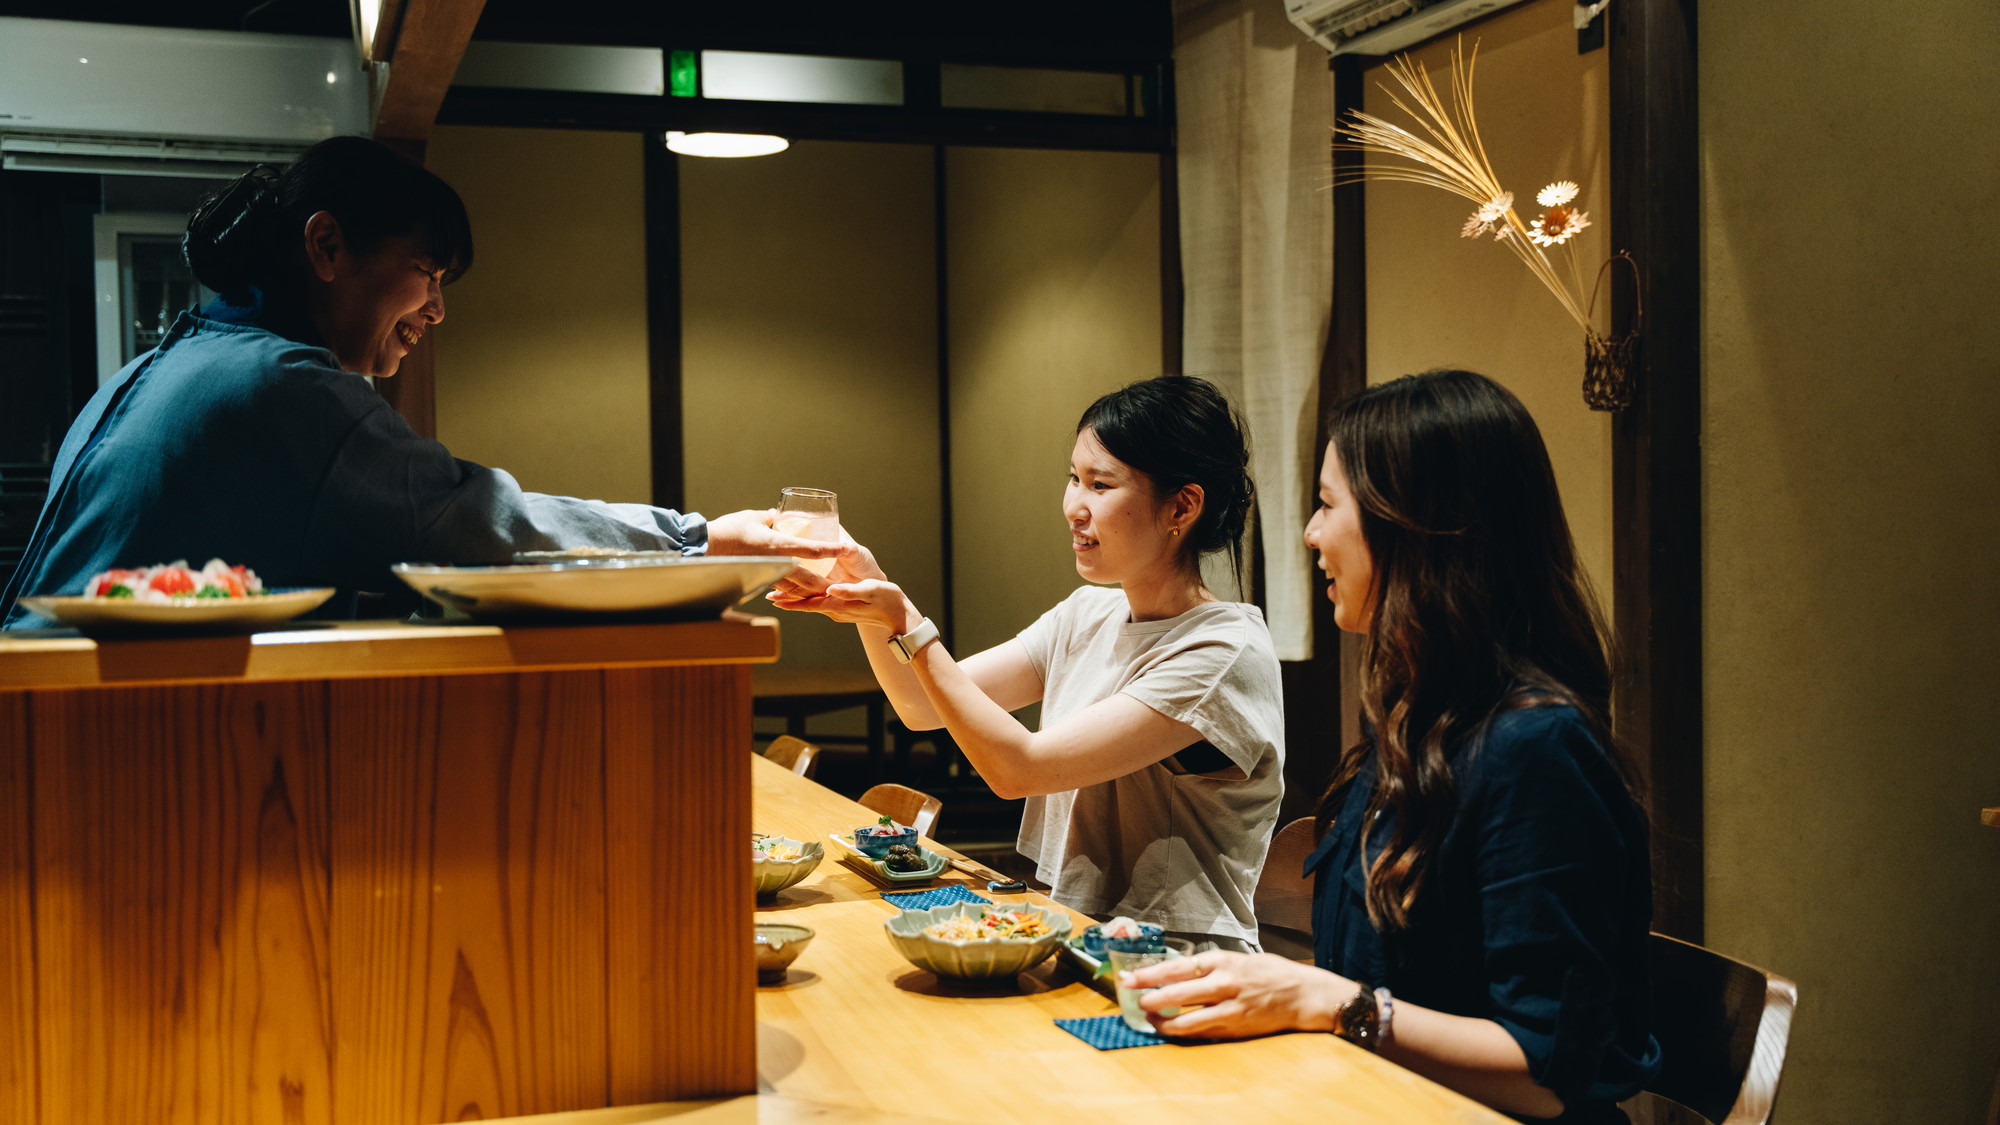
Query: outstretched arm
point(1109, 739)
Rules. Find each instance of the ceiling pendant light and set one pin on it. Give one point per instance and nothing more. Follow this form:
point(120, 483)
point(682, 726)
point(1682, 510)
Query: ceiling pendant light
point(725, 144)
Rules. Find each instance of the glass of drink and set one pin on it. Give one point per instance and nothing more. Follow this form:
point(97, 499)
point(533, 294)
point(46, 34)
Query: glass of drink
point(1123, 963)
point(810, 513)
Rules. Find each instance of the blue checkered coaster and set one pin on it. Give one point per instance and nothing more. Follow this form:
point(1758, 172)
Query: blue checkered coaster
point(1109, 1033)
point(936, 896)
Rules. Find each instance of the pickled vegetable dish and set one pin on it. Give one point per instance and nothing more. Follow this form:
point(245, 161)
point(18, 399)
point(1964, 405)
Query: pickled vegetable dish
point(991, 925)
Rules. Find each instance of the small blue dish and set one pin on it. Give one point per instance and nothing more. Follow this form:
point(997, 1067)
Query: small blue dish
point(1148, 941)
point(874, 843)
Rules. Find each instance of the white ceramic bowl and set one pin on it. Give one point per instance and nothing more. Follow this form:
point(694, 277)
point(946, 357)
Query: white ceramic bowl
point(770, 876)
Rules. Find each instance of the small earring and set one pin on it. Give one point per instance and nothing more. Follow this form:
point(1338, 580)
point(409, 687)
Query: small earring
point(1177, 531)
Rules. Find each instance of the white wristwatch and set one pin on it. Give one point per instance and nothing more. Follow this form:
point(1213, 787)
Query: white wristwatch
point(907, 645)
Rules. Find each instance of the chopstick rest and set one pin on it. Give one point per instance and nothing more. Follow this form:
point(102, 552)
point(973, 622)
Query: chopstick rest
point(1109, 1033)
point(936, 896)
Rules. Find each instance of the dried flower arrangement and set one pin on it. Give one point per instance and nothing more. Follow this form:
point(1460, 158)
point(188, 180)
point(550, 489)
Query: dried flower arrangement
point(1453, 158)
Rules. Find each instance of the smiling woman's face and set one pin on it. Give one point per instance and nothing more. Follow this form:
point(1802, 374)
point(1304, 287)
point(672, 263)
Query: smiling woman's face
point(1335, 532)
point(377, 305)
point(1118, 530)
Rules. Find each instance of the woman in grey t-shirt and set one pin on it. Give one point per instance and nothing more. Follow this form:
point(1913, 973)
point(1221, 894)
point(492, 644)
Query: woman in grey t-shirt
point(1153, 783)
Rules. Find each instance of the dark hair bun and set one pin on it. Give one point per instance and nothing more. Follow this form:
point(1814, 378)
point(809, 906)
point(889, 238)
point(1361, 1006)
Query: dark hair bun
point(228, 243)
point(1180, 430)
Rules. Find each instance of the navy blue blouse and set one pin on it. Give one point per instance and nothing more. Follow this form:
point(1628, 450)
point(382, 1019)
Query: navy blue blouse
point(1534, 914)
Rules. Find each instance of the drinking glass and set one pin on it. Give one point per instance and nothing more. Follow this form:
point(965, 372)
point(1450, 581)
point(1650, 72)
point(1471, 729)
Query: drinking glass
point(810, 513)
point(1123, 963)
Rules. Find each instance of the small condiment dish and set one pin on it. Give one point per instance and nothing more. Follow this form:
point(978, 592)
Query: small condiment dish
point(778, 945)
point(875, 840)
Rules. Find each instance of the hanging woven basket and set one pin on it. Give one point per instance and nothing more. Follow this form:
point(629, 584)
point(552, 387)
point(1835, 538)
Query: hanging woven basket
point(1609, 374)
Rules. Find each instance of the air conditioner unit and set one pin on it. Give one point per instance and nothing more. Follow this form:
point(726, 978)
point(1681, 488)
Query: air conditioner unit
point(170, 101)
point(1382, 27)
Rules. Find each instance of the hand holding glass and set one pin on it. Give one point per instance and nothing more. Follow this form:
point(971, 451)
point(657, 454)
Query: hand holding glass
point(810, 513)
point(1123, 963)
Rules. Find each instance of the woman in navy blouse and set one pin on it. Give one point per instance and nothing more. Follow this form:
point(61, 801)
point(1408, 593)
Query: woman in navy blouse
point(1483, 890)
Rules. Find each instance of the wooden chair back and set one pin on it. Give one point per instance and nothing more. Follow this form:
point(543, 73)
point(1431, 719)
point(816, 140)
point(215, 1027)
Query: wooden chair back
point(1723, 1027)
point(908, 806)
point(1283, 899)
point(795, 754)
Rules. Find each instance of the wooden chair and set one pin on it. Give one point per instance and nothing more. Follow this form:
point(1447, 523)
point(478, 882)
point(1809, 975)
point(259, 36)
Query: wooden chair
point(795, 754)
point(1723, 1026)
point(1283, 899)
point(908, 806)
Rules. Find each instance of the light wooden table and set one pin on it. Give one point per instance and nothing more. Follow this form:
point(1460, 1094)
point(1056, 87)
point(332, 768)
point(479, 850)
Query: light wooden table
point(377, 873)
point(842, 1031)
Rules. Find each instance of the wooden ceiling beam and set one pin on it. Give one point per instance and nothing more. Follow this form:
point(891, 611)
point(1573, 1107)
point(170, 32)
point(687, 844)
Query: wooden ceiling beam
point(426, 53)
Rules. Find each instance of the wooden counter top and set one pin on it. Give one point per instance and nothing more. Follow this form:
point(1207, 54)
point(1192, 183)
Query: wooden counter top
point(62, 658)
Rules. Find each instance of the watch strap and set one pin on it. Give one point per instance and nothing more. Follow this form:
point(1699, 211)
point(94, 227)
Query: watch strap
point(907, 645)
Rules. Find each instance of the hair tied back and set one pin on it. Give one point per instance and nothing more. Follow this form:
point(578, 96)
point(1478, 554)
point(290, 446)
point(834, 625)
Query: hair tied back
point(226, 234)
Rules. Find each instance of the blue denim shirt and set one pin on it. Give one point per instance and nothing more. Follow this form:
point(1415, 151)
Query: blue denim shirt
point(1534, 914)
point(233, 441)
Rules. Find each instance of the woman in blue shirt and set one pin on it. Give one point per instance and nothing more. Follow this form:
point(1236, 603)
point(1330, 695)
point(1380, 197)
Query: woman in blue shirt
point(1483, 888)
point(249, 434)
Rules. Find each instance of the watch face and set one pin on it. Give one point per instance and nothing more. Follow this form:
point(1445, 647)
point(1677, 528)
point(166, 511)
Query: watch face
point(1359, 1020)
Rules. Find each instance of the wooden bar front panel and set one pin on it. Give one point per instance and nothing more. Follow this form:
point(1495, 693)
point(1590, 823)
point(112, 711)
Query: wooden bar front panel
point(678, 889)
point(19, 1076)
point(399, 900)
point(180, 904)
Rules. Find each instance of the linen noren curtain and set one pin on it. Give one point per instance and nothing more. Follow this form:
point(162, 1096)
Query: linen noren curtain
point(1254, 105)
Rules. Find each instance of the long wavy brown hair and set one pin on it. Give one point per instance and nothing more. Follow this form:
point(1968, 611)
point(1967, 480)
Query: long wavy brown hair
point(1480, 604)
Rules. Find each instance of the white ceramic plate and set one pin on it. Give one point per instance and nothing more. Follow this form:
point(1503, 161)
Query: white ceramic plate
point(181, 613)
point(690, 587)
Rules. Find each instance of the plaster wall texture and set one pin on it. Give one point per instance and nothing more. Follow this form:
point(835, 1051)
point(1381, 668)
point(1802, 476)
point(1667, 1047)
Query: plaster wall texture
point(1851, 487)
point(542, 352)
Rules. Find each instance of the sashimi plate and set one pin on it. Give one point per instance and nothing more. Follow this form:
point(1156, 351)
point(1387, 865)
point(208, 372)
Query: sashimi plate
point(180, 613)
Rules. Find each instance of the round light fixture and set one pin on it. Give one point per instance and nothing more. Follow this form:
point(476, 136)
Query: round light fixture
point(725, 144)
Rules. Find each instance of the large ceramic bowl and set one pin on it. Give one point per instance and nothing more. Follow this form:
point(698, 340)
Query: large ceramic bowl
point(974, 960)
point(769, 876)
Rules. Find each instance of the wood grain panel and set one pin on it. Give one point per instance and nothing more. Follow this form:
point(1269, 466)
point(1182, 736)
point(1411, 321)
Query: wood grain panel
point(677, 812)
point(180, 869)
point(519, 909)
point(382, 785)
point(18, 1080)
point(470, 855)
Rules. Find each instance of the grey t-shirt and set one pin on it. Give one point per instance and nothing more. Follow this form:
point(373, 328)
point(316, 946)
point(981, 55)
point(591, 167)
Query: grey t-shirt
point(1162, 844)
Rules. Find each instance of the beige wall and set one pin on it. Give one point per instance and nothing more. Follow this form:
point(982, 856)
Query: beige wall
point(810, 352)
point(1851, 486)
point(541, 358)
point(1054, 297)
point(1436, 300)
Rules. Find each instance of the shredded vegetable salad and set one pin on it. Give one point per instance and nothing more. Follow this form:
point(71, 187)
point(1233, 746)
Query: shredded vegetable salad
point(991, 925)
point(175, 581)
point(762, 847)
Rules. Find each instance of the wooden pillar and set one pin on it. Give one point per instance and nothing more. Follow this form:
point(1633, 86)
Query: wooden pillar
point(1656, 442)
